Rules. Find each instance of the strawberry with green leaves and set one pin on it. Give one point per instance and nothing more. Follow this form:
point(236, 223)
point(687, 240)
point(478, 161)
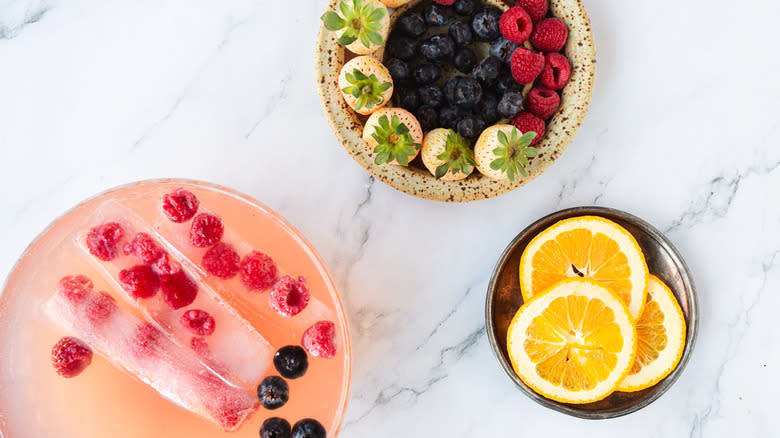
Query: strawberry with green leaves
point(366, 84)
point(502, 152)
point(447, 155)
point(394, 135)
point(361, 25)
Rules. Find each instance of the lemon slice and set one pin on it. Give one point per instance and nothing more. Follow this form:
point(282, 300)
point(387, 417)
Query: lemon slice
point(590, 247)
point(572, 343)
point(660, 338)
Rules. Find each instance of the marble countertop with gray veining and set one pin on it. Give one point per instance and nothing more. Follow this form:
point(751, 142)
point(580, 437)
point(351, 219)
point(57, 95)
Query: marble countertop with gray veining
point(683, 131)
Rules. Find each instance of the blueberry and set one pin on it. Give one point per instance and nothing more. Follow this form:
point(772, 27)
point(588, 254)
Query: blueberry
point(467, 92)
point(487, 108)
point(426, 73)
point(308, 428)
point(399, 70)
point(485, 24)
point(412, 24)
point(503, 49)
point(402, 47)
point(449, 89)
point(506, 83)
point(465, 7)
point(438, 48)
point(449, 116)
point(438, 15)
point(510, 104)
point(430, 95)
point(460, 32)
point(428, 117)
point(275, 427)
point(470, 126)
point(464, 60)
point(291, 361)
point(487, 71)
point(407, 99)
point(273, 392)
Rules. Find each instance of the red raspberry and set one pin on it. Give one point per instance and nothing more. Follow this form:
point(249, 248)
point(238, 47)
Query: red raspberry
point(526, 65)
point(70, 357)
point(549, 35)
point(258, 271)
point(140, 281)
point(180, 205)
point(527, 122)
point(165, 266)
point(74, 287)
point(556, 71)
point(444, 2)
point(221, 260)
point(100, 308)
point(320, 339)
point(144, 247)
point(178, 290)
point(542, 102)
point(516, 25)
point(537, 9)
point(103, 240)
point(200, 346)
point(147, 340)
point(206, 230)
point(198, 322)
point(289, 296)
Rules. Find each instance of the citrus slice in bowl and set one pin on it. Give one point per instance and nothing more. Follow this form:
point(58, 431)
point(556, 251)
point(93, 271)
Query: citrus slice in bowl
point(590, 247)
point(572, 343)
point(660, 338)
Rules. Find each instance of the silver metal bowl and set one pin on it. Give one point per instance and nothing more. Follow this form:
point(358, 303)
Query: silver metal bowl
point(663, 260)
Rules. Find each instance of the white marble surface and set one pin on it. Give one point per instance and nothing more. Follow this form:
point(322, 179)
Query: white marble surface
point(683, 131)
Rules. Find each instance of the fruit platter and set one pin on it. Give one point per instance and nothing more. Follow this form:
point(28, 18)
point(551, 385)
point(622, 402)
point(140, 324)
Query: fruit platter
point(207, 311)
point(455, 100)
point(591, 312)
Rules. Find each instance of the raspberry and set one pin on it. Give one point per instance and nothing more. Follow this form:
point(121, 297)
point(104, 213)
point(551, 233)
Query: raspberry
point(165, 266)
point(100, 308)
point(200, 346)
point(70, 357)
point(144, 247)
point(103, 240)
point(289, 296)
point(542, 102)
point(556, 72)
point(146, 340)
point(444, 2)
point(516, 25)
point(180, 205)
point(140, 281)
point(221, 260)
point(258, 271)
point(206, 230)
point(198, 322)
point(526, 65)
point(537, 9)
point(74, 287)
point(549, 35)
point(320, 339)
point(178, 290)
point(527, 122)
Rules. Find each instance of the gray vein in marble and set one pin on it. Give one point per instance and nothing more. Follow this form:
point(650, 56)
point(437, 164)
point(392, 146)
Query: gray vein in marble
point(568, 188)
point(444, 319)
point(32, 16)
point(272, 102)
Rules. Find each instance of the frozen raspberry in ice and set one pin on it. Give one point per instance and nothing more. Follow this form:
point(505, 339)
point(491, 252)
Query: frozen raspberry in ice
point(258, 271)
point(200, 346)
point(221, 260)
point(103, 240)
point(164, 265)
point(320, 339)
point(140, 281)
point(145, 340)
point(144, 248)
point(198, 322)
point(74, 287)
point(180, 205)
point(70, 356)
point(289, 295)
point(178, 289)
point(100, 308)
point(206, 230)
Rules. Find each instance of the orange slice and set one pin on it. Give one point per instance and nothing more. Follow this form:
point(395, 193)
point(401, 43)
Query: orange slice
point(589, 247)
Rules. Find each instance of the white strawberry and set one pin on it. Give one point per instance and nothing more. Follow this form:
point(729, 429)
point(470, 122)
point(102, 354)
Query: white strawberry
point(362, 25)
point(502, 152)
point(395, 3)
point(366, 84)
point(394, 135)
point(447, 155)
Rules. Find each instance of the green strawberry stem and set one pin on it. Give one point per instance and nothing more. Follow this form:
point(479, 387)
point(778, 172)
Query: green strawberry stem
point(457, 156)
point(513, 153)
point(359, 20)
point(366, 89)
point(394, 142)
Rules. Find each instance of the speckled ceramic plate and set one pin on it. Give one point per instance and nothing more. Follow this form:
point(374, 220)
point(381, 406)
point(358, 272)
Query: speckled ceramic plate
point(416, 180)
point(663, 260)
